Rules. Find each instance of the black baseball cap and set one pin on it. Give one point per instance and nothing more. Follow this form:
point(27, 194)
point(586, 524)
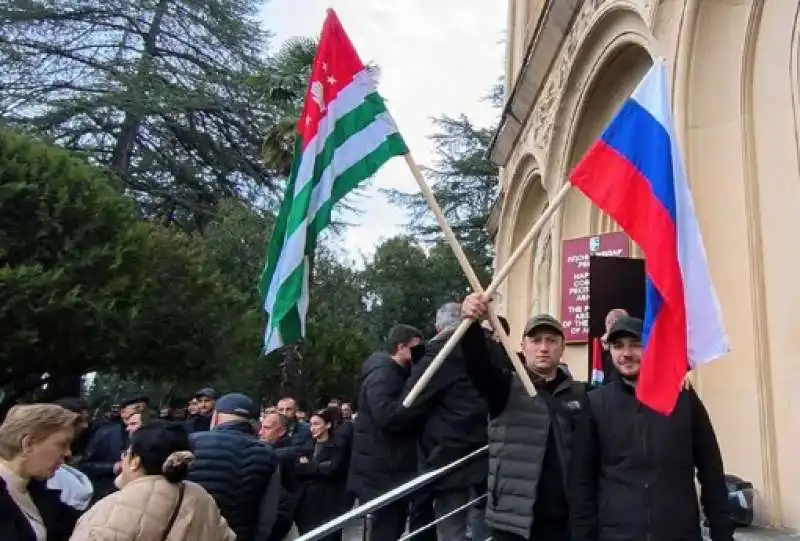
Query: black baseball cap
point(546, 321)
point(75, 405)
point(237, 404)
point(206, 392)
point(137, 399)
point(625, 326)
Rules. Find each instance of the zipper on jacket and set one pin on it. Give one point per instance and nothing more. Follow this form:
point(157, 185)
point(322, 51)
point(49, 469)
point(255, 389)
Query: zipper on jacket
point(646, 485)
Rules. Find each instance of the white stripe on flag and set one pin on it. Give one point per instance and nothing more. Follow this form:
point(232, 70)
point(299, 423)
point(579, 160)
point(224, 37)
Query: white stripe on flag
point(273, 341)
point(706, 337)
point(351, 152)
point(302, 302)
point(348, 154)
point(348, 99)
point(345, 101)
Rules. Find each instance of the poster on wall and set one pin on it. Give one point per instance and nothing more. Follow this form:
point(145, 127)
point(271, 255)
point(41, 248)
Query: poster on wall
point(575, 279)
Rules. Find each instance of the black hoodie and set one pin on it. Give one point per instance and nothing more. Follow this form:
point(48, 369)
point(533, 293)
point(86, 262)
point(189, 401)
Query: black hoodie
point(384, 444)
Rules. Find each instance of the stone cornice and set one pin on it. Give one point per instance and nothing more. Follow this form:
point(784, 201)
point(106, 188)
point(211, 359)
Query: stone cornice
point(550, 32)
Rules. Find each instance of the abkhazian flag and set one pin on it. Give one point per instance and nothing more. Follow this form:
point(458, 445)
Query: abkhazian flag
point(344, 135)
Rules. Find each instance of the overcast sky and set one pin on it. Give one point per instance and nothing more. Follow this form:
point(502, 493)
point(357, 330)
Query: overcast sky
point(435, 56)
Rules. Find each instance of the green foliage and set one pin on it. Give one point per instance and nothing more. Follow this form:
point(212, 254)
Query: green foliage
point(85, 285)
point(159, 91)
point(339, 337)
point(465, 183)
point(407, 283)
point(284, 82)
point(176, 100)
point(410, 280)
point(236, 242)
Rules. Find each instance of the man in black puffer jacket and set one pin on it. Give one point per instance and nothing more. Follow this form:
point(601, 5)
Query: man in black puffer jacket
point(530, 438)
point(237, 469)
point(384, 445)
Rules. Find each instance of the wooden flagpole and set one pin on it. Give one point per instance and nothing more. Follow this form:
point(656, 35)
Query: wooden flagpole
point(501, 275)
point(474, 282)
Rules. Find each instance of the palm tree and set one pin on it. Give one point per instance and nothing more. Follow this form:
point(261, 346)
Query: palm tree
point(284, 84)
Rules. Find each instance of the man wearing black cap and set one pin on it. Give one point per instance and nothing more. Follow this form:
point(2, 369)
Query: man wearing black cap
point(106, 445)
point(237, 469)
point(633, 469)
point(529, 438)
point(201, 421)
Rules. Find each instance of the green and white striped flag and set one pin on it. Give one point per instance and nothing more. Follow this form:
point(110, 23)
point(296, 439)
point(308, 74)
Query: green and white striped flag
point(344, 135)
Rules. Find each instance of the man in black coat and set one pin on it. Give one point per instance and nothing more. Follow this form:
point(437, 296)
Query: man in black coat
point(238, 469)
point(384, 445)
point(633, 469)
point(200, 421)
point(298, 430)
point(453, 422)
point(105, 447)
point(275, 433)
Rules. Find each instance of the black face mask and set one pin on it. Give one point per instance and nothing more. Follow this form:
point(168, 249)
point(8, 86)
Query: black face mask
point(417, 353)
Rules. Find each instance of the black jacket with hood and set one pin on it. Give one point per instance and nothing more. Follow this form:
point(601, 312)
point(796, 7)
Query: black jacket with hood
point(384, 444)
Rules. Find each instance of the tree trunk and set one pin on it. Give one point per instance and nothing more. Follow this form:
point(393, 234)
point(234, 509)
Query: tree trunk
point(293, 375)
point(120, 158)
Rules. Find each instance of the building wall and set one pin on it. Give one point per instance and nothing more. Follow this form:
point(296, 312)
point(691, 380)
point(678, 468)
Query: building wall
point(736, 95)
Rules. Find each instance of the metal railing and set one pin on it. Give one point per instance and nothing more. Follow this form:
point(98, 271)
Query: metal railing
point(365, 510)
point(455, 511)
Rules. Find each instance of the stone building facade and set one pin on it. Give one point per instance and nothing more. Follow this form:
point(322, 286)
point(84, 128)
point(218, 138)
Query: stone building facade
point(735, 83)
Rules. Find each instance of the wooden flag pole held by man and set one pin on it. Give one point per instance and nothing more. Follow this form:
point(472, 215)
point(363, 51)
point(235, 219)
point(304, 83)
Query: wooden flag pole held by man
point(474, 282)
point(501, 275)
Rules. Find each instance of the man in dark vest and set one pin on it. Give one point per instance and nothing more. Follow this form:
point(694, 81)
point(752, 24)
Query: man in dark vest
point(529, 438)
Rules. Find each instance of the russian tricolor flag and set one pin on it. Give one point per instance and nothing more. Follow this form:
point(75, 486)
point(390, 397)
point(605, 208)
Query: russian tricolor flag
point(635, 174)
point(597, 363)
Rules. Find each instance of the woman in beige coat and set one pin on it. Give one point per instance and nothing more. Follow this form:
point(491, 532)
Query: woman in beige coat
point(155, 502)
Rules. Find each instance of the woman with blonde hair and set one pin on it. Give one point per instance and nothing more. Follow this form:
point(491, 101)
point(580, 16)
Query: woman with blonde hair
point(155, 502)
point(35, 441)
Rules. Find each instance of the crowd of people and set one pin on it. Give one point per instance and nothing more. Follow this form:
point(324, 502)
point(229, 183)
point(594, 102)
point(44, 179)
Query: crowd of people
point(570, 463)
point(213, 469)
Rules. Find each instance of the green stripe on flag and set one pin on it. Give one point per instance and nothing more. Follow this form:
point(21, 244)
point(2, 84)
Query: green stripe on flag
point(346, 127)
point(291, 288)
point(350, 179)
point(349, 125)
point(279, 231)
point(306, 213)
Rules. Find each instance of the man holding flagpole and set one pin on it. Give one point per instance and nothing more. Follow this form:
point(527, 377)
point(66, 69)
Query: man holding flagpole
point(642, 439)
point(529, 437)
